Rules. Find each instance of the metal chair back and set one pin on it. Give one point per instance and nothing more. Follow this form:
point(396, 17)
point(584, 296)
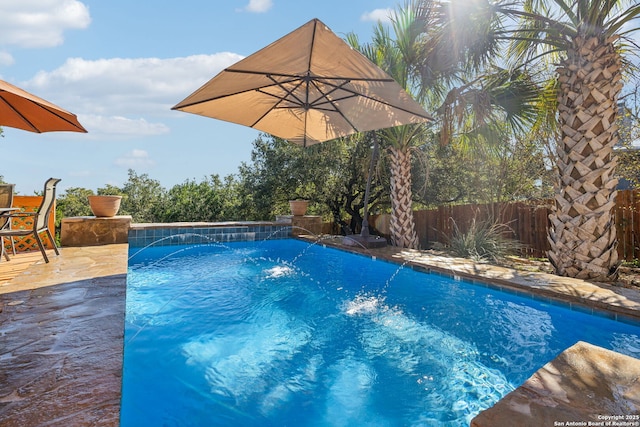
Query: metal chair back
point(6, 200)
point(47, 202)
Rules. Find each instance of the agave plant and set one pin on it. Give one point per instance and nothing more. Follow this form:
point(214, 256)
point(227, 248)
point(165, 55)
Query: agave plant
point(482, 241)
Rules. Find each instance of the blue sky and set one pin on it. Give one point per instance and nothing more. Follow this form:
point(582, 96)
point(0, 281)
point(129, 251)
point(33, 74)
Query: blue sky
point(120, 65)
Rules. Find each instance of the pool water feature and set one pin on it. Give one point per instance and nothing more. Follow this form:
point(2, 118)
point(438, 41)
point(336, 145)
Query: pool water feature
point(242, 335)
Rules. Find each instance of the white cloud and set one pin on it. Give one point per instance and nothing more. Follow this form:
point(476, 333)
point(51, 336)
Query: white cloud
point(6, 59)
point(258, 6)
point(126, 97)
point(40, 23)
point(118, 125)
point(134, 159)
point(382, 15)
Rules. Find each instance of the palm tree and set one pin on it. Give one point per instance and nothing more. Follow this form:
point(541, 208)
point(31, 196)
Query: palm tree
point(400, 141)
point(397, 57)
point(415, 42)
point(585, 38)
point(436, 69)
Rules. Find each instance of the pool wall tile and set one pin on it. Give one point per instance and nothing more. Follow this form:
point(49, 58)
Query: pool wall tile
point(141, 235)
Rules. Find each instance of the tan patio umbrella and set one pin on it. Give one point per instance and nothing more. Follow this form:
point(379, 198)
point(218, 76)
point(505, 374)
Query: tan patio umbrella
point(307, 87)
point(23, 110)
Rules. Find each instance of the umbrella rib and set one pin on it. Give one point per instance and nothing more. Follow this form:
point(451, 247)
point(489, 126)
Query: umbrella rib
point(22, 116)
point(279, 98)
point(256, 89)
point(325, 95)
point(308, 80)
point(288, 92)
point(316, 104)
point(57, 114)
point(354, 93)
point(383, 102)
point(388, 104)
point(315, 77)
point(311, 47)
point(332, 102)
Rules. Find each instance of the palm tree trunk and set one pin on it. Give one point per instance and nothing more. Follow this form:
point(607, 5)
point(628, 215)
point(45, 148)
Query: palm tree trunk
point(583, 234)
point(402, 224)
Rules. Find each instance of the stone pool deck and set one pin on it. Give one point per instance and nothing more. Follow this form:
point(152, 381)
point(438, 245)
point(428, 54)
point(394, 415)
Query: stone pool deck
point(61, 338)
point(62, 325)
point(584, 386)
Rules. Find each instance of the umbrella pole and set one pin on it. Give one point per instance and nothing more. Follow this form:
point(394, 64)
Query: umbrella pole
point(364, 239)
point(364, 231)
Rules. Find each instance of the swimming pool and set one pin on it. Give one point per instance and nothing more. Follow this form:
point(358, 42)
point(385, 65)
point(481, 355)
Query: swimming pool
point(289, 333)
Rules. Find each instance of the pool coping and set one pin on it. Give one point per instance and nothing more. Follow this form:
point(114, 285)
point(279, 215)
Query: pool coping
point(584, 385)
point(79, 270)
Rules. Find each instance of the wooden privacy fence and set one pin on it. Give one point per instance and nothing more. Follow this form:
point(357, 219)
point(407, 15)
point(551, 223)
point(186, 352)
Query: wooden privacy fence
point(627, 214)
point(526, 222)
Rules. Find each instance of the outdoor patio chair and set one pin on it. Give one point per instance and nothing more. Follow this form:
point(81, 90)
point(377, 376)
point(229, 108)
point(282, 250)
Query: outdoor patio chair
point(6, 201)
point(40, 220)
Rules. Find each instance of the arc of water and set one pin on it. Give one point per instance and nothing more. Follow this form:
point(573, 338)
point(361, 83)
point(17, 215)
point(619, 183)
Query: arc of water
point(181, 235)
point(239, 262)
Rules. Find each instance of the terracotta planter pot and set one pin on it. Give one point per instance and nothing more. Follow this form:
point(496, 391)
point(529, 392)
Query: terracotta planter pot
point(298, 207)
point(105, 206)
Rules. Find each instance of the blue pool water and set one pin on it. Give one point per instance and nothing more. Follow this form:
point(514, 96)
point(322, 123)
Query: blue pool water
point(284, 333)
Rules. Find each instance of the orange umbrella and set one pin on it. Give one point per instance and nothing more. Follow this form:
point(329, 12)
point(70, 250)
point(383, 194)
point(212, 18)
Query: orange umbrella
point(23, 110)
